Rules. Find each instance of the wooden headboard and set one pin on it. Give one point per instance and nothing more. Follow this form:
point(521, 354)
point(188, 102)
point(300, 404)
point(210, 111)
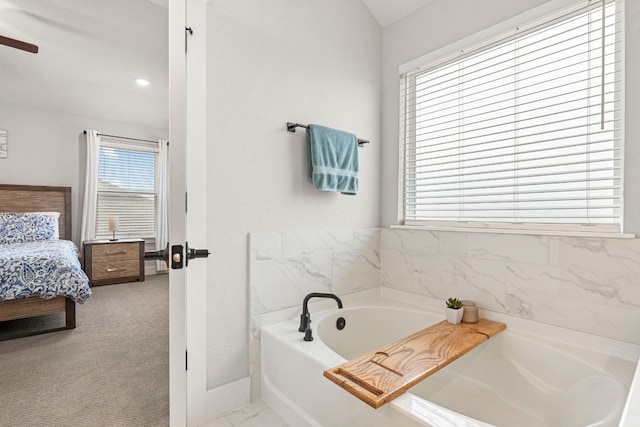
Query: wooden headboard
point(38, 198)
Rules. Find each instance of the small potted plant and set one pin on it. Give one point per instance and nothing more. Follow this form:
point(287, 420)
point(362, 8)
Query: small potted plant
point(454, 311)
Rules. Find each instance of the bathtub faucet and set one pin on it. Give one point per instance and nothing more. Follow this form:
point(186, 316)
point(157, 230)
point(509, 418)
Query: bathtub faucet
point(305, 317)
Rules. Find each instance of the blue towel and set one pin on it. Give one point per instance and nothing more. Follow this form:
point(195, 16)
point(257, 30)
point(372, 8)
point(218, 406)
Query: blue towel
point(332, 159)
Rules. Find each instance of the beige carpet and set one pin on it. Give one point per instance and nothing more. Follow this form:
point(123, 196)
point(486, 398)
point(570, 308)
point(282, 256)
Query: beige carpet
point(112, 370)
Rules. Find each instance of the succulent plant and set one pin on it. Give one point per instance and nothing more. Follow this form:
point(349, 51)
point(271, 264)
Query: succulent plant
point(454, 303)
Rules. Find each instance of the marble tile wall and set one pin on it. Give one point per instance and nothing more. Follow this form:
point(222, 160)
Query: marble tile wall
point(587, 284)
point(286, 266)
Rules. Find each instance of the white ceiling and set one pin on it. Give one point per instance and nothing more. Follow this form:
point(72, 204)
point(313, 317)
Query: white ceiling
point(91, 50)
point(89, 53)
point(389, 11)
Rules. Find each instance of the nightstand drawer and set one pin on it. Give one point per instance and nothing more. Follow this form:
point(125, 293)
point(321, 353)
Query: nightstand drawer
point(107, 262)
point(112, 268)
point(116, 252)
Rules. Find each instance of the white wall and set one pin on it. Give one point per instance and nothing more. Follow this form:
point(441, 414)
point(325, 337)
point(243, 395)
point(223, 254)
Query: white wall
point(269, 63)
point(47, 147)
point(632, 112)
point(443, 22)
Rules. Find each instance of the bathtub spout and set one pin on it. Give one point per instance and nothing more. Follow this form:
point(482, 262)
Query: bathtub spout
point(305, 317)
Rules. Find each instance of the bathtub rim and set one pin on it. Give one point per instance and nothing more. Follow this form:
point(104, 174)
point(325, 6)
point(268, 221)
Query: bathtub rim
point(545, 332)
point(631, 412)
point(392, 298)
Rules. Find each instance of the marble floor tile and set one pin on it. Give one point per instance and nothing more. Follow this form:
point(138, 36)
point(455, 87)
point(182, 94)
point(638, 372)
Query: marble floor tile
point(255, 414)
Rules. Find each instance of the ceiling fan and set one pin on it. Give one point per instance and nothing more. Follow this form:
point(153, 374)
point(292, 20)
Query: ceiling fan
point(18, 44)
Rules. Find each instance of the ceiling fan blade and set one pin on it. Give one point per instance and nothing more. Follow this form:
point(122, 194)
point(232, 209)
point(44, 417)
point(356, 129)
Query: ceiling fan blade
point(18, 44)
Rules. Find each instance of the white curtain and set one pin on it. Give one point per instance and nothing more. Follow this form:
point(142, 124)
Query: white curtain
point(162, 227)
point(88, 230)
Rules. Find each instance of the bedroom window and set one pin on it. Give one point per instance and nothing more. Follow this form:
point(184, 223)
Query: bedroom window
point(522, 132)
point(127, 188)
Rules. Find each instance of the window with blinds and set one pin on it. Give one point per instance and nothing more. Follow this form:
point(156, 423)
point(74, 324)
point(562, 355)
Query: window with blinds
point(524, 130)
point(127, 189)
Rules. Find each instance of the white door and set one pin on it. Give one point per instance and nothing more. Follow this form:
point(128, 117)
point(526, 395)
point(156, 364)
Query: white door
point(187, 211)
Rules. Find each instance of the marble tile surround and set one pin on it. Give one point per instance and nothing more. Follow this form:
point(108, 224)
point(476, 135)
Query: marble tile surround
point(587, 284)
point(286, 266)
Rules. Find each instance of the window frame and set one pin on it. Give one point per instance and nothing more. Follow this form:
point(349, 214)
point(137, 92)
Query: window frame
point(502, 32)
point(132, 145)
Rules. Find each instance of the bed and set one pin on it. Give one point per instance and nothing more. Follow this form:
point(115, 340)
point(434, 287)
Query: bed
point(40, 275)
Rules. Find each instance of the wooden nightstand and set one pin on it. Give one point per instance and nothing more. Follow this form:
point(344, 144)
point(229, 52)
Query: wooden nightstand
point(107, 262)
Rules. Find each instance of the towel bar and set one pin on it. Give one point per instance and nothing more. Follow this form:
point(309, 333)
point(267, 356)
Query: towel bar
point(291, 127)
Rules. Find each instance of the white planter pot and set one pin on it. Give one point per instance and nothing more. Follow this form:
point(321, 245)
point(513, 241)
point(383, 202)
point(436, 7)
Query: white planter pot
point(454, 315)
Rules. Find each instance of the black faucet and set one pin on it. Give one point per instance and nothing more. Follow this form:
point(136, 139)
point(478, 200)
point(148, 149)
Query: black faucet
point(305, 317)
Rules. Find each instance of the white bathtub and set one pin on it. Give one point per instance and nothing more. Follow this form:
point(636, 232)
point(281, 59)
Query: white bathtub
point(529, 375)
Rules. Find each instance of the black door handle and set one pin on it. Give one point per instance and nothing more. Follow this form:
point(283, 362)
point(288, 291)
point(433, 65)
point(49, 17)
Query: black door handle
point(172, 256)
point(161, 255)
point(195, 253)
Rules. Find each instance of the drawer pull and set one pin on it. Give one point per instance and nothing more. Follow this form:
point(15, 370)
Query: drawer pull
point(113, 270)
point(116, 252)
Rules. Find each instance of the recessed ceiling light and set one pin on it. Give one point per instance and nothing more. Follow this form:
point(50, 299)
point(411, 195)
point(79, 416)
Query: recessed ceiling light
point(141, 82)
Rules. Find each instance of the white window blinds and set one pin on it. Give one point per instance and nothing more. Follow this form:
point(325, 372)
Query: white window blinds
point(127, 188)
point(527, 129)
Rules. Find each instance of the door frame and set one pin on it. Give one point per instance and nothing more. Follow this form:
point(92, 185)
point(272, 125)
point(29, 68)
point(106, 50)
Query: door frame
point(196, 163)
point(177, 222)
point(187, 215)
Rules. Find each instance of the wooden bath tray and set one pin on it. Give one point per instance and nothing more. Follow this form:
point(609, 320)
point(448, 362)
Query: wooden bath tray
point(380, 376)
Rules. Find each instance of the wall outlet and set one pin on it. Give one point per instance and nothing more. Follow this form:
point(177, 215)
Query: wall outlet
point(3, 144)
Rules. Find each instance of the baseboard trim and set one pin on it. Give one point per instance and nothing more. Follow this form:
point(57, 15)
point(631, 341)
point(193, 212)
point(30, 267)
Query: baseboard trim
point(227, 397)
point(150, 270)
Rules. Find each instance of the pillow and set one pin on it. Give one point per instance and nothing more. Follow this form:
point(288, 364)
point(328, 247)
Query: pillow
point(28, 227)
point(54, 214)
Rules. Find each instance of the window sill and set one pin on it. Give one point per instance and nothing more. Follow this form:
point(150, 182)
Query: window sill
point(495, 230)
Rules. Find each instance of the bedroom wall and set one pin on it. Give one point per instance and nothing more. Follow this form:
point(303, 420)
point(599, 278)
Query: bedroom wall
point(46, 147)
point(269, 63)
